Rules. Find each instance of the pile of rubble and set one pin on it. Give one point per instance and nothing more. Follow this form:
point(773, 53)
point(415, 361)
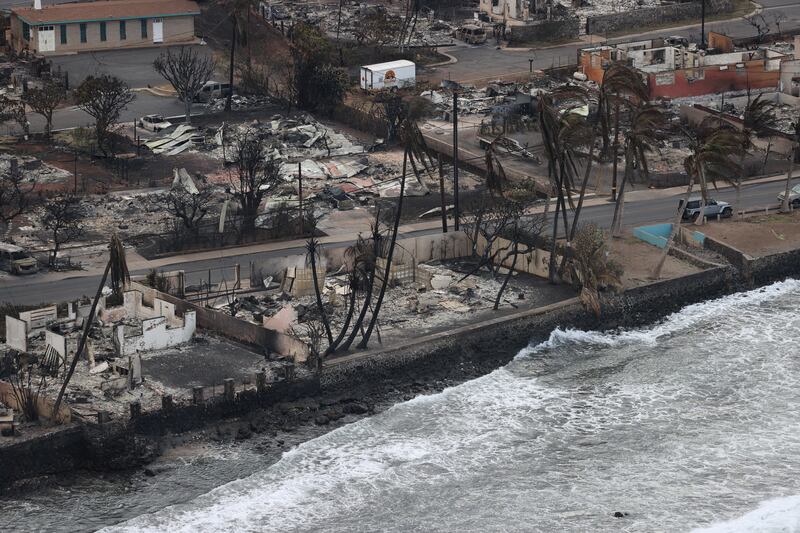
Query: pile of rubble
point(497, 96)
point(593, 8)
point(428, 31)
point(438, 297)
point(33, 169)
point(239, 103)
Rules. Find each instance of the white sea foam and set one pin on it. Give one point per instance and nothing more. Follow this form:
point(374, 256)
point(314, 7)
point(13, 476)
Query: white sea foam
point(781, 515)
point(687, 318)
point(505, 447)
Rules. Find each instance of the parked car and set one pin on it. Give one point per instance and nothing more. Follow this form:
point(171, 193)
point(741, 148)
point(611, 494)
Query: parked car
point(794, 196)
point(471, 34)
point(212, 90)
point(15, 260)
point(154, 123)
point(711, 210)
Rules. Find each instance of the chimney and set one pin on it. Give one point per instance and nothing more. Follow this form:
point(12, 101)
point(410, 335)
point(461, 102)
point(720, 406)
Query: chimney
point(37, 4)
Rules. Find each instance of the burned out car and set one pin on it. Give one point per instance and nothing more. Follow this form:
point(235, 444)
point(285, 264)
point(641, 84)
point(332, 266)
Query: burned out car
point(17, 261)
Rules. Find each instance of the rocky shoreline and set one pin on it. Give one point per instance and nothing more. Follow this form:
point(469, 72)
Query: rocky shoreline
point(372, 384)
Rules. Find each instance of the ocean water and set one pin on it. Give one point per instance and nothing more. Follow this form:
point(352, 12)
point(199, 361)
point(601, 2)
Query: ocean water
point(692, 424)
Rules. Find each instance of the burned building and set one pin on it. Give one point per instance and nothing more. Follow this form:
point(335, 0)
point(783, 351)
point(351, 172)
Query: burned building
point(676, 69)
point(531, 20)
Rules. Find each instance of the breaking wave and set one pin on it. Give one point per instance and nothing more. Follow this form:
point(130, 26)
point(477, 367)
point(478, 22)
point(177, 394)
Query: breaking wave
point(666, 423)
point(781, 515)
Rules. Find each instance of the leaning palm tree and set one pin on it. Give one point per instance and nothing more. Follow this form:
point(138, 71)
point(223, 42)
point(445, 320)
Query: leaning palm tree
point(711, 157)
point(117, 268)
point(621, 88)
point(758, 119)
point(640, 139)
point(563, 131)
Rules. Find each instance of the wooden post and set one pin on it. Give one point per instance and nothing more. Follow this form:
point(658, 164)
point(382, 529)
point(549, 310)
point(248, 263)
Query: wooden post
point(197, 395)
point(261, 381)
point(230, 391)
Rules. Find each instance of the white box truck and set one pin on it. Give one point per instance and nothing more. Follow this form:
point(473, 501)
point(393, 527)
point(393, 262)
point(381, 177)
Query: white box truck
point(391, 75)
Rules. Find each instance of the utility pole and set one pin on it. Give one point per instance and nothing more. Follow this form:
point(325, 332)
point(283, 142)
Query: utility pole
point(230, 70)
point(530, 65)
point(300, 195)
point(441, 192)
point(455, 161)
point(702, 24)
point(75, 173)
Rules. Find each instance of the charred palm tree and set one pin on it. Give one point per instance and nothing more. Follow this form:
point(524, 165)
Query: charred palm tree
point(359, 254)
point(711, 157)
point(312, 255)
point(371, 254)
point(387, 271)
point(117, 269)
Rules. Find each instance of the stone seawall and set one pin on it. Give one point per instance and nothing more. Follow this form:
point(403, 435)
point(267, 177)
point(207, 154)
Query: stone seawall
point(651, 16)
point(460, 354)
point(61, 450)
point(500, 339)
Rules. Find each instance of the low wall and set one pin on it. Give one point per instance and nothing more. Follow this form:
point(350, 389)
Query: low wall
point(656, 234)
point(544, 31)
point(651, 16)
point(227, 326)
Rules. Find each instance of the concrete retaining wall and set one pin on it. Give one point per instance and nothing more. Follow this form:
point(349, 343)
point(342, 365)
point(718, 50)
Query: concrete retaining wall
point(651, 16)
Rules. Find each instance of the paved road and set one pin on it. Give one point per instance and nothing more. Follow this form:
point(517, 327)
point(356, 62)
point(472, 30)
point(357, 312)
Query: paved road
point(636, 213)
point(478, 62)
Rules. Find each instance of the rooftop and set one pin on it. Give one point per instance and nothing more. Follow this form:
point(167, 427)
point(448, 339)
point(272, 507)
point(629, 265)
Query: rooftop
point(106, 10)
point(391, 64)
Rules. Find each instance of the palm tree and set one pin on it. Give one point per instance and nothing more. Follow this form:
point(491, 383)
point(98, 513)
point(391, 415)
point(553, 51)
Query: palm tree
point(390, 253)
point(312, 254)
point(370, 258)
point(117, 267)
point(621, 86)
point(711, 157)
point(591, 269)
point(640, 140)
point(563, 132)
point(362, 256)
point(758, 119)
